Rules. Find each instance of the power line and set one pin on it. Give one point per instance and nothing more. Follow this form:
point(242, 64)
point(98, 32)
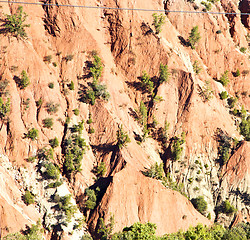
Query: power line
point(122, 9)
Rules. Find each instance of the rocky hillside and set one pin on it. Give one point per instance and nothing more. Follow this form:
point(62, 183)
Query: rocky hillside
point(105, 119)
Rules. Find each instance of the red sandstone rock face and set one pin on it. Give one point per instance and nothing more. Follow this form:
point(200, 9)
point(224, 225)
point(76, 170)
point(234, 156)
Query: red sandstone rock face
point(136, 198)
point(127, 45)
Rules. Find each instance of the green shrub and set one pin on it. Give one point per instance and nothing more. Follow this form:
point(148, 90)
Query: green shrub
point(32, 134)
point(197, 69)
point(54, 184)
point(122, 137)
point(105, 230)
point(223, 95)
point(231, 102)
point(101, 169)
point(146, 82)
point(200, 204)
point(48, 122)
point(64, 204)
point(54, 142)
point(155, 171)
point(224, 78)
point(69, 57)
point(207, 92)
point(91, 198)
point(24, 80)
point(76, 112)
point(218, 32)
point(164, 73)
point(143, 114)
point(71, 85)
point(194, 37)
point(51, 85)
point(14, 23)
point(176, 147)
point(208, 6)
point(237, 73)
point(52, 107)
point(227, 208)
point(91, 130)
point(158, 21)
point(89, 121)
point(4, 108)
point(47, 58)
point(54, 64)
point(28, 198)
point(243, 49)
point(97, 68)
point(245, 128)
point(51, 171)
point(39, 102)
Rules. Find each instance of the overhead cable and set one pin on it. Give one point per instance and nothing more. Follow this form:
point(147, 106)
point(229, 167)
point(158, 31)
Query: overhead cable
point(122, 9)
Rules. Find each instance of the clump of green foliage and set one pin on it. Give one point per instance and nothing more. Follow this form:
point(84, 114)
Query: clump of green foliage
point(14, 24)
point(54, 142)
point(33, 233)
point(176, 146)
point(227, 208)
point(155, 171)
point(24, 80)
point(101, 169)
point(224, 149)
point(69, 57)
point(96, 91)
point(105, 230)
point(158, 21)
point(146, 82)
point(137, 231)
point(76, 112)
point(206, 92)
point(243, 49)
point(54, 184)
point(4, 108)
point(47, 58)
point(197, 69)
point(245, 127)
point(194, 37)
point(32, 134)
point(200, 204)
point(64, 204)
point(75, 147)
point(208, 6)
point(223, 95)
point(89, 121)
point(237, 73)
point(91, 197)
point(224, 78)
point(71, 86)
point(51, 171)
point(122, 137)
point(52, 107)
point(96, 69)
point(28, 198)
point(231, 102)
point(51, 85)
point(48, 122)
point(143, 118)
point(164, 73)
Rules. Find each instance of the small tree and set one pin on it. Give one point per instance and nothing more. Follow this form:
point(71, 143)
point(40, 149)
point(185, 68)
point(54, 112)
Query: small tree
point(158, 22)
point(101, 169)
point(28, 198)
point(96, 70)
point(176, 147)
point(122, 137)
point(194, 37)
point(4, 108)
point(146, 82)
point(15, 23)
point(54, 142)
point(164, 73)
point(224, 78)
point(197, 69)
point(24, 80)
point(32, 134)
point(200, 204)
